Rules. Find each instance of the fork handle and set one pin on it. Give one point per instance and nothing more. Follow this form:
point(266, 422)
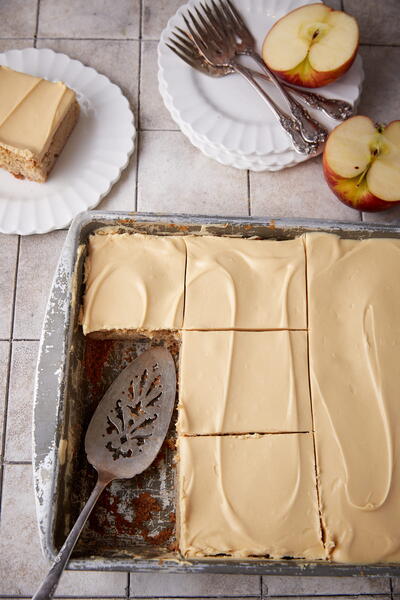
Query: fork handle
point(289, 125)
point(331, 107)
point(50, 583)
point(311, 130)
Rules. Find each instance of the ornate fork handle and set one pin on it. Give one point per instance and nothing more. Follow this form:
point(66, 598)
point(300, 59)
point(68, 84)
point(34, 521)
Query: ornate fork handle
point(332, 107)
point(311, 130)
point(290, 126)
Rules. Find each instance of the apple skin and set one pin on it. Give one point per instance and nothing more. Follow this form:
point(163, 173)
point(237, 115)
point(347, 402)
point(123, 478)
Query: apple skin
point(346, 190)
point(305, 76)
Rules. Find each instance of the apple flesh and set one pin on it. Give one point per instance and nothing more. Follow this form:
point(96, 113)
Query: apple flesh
point(362, 163)
point(312, 45)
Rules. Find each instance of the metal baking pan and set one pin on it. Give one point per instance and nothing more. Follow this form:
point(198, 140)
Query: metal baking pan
point(133, 525)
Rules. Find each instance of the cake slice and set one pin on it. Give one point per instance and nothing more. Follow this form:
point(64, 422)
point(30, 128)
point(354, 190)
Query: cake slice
point(36, 119)
point(234, 283)
point(249, 496)
point(134, 283)
point(243, 382)
point(354, 317)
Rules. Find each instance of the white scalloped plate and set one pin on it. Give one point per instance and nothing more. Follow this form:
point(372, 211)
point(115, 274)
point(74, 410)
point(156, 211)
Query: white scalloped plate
point(253, 162)
point(225, 113)
point(92, 160)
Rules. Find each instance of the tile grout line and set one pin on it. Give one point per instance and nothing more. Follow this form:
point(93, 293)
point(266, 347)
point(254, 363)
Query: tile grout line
point(350, 596)
point(148, 597)
point(4, 428)
point(177, 596)
point(16, 339)
point(62, 597)
point(155, 130)
point(261, 588)
point(27, 38)
point(17, 462)
point(370, 45)
point(10, 353)
point(391, 587)
point(85, 39)
point(138, 133)
point(134, 39)
point(334, 596)
point(35, 35)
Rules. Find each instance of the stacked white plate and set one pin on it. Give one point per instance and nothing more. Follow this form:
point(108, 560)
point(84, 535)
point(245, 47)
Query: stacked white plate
point(224, 117)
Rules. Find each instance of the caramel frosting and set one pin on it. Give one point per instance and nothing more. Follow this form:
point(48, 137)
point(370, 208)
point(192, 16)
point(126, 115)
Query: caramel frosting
point(249, 496)
point(31, 109)
point(133, 281)
point(243, 381)
point(236, 283)
point(354, 318)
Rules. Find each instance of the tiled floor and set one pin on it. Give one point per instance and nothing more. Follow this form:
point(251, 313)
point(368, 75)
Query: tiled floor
point(119, 38)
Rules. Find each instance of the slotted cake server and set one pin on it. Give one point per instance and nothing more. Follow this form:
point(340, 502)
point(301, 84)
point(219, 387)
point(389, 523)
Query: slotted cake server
point(124, 436)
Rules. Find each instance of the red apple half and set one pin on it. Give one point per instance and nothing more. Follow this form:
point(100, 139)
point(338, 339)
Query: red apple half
point(311, 46)
point(362, 163)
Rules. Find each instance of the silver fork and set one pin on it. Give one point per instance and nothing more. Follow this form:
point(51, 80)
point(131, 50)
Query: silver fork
point(224, 15)
point(218, 47)
point(184, 47)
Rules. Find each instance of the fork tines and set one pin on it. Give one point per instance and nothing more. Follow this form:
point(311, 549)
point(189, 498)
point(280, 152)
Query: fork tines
point(211, 21)
point(184, 48)
point(207, 25)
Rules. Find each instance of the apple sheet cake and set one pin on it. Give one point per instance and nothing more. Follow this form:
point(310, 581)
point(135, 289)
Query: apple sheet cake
point(36, 118)
point(288, 413)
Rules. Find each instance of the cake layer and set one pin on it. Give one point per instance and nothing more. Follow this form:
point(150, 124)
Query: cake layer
point(35, 169)
point(31, 111)
point(243, 381)
point(248, 496)
point(236, 283)
point(354, 319)
point(133, 281)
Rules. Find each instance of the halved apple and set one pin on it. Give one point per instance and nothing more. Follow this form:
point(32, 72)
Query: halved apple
point(312, 45)
point(362, 163)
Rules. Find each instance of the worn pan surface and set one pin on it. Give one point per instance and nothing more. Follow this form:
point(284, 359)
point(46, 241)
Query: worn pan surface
point(133, 526)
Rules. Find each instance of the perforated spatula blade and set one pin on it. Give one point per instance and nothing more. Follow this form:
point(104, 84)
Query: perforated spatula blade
point(131, 420)
point(124, 436)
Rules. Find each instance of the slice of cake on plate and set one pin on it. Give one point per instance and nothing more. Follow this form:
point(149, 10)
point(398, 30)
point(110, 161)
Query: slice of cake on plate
point(36, 118)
